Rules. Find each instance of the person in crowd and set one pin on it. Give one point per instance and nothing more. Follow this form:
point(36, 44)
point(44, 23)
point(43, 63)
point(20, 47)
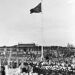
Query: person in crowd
point(2, 70)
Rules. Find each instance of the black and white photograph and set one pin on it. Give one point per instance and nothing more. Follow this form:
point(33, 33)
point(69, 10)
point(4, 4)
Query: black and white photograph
point(37, 37)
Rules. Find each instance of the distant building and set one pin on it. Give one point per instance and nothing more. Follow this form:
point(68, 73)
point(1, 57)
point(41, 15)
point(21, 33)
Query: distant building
point(20, 51)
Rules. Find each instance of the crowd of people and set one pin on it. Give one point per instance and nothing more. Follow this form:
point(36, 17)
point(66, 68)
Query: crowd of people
point(53, 68)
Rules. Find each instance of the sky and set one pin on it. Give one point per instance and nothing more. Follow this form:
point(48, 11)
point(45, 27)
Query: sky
point(54, 26)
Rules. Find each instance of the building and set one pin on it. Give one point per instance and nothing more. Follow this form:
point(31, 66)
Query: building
point(26, 52)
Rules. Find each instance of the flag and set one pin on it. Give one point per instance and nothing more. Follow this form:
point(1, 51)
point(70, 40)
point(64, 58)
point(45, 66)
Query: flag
point(36, 9)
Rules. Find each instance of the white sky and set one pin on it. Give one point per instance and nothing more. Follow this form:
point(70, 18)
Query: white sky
point(17, 25)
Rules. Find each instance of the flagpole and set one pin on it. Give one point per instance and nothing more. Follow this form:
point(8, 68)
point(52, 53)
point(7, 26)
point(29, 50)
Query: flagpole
point(42, 31)
point(39, 9)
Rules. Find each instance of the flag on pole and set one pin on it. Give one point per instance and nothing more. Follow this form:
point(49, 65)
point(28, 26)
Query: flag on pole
point(36, 9)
